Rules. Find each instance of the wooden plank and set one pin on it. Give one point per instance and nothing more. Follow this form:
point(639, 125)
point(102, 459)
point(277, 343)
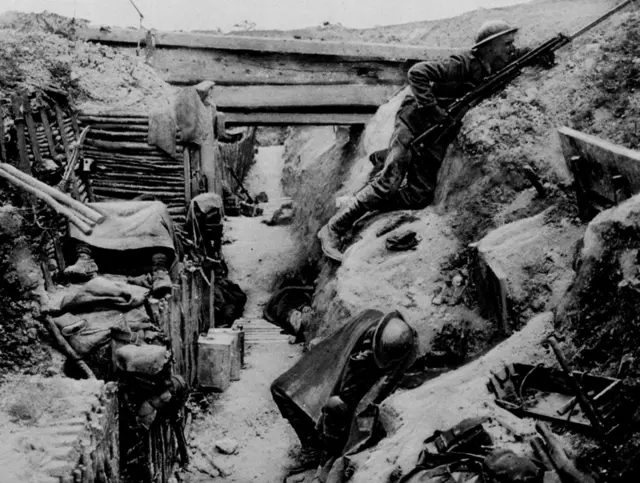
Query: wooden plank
point(292, 118)
point(47, 131)
point(3, 148)
point(63, 134)
point(23, 162)
point(187, 178)
point(229, 98)
point(368, 50)
point(192, 66)
point(31, 128)
point(604, 173)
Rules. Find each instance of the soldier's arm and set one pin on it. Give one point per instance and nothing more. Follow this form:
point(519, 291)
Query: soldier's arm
point(423, 74)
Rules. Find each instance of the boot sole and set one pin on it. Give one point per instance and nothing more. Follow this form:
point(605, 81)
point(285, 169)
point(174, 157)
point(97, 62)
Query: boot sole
point(322, 236)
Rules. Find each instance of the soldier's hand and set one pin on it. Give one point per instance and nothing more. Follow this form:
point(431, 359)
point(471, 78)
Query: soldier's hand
point(547, 60)
point(437, 115)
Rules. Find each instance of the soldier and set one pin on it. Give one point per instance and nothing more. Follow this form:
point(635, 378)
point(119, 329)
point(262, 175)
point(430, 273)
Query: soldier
point(434, 86)
point(319, 395)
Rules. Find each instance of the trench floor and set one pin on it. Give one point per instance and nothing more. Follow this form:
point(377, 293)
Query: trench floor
point(245, 412)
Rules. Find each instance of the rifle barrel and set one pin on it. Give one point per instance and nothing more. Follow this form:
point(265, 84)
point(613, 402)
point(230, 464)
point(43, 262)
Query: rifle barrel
point(600, 19)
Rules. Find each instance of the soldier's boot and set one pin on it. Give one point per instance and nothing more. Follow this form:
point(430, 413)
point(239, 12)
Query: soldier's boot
point(332, 233)
point(309, 458)
point(85, 267)
point(161, 281)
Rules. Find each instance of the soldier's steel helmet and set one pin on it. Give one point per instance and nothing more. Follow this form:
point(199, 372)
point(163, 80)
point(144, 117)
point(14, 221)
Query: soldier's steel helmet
point(492, 30)
point(393, 339)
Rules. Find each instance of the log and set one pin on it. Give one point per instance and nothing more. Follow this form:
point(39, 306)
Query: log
point(23, 162)
point(118, 127)
point(119, 135)
point(116, 114)
point(125, 146)
point(63, 210)
point(147, 159)
point(121, 120)
point(62, 198)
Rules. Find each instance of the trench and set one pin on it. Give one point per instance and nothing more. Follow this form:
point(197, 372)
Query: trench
point(245, 413)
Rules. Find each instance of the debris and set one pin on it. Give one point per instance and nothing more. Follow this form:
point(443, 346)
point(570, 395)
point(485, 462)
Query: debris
point(405, 240)
point(547, 393)
point(227, 446)
point(561, 461)
point(396, 222)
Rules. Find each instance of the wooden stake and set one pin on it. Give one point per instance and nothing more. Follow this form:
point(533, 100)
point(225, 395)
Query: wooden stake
point(47, 130)
point(61, 129)
point(3, 149)
point(31, 127)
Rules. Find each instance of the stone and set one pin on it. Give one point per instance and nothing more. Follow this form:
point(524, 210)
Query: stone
point(10, 220)
point(457, 280)
point(227, 446)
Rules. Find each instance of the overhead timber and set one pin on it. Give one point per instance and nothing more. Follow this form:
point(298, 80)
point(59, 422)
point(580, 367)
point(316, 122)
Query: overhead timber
point(276, 80)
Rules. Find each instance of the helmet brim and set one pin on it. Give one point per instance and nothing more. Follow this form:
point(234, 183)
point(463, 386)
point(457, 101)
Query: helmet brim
point(493, 37)
point(383, 362)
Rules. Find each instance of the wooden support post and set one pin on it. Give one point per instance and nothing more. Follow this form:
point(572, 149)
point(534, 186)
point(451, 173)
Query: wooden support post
point(187, 178)
point(16, 104)
point(46, 274)
point(74, 123)
point(47, 129)
point(3, 148)
point(63, 134)
point(212, 308)
point(31, 127)
point(57, 247)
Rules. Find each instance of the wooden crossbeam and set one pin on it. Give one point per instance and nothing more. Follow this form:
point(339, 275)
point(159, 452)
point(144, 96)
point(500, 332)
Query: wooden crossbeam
point(368, 50)
point(293, 118)
point(230, 98)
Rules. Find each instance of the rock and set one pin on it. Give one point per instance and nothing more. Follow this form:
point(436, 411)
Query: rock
point(227, 446)
point(437, 300)
point(51, 371)
point(457, 280)
point(10, 220)
point(590, 63)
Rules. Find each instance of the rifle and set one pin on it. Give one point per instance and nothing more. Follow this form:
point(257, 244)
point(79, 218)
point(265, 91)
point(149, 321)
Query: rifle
point(496, 83)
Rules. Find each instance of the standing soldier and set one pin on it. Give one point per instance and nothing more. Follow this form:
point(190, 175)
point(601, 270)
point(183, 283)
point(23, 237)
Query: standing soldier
point(434, 86)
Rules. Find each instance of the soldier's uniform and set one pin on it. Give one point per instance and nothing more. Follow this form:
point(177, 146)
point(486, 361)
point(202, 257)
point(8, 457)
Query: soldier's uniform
point(402, 181)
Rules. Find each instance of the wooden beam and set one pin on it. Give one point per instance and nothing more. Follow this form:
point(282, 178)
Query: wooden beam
point(367, 50)
point(604, 173)
point(290, 97)
point(290, 118)
point(192, 66)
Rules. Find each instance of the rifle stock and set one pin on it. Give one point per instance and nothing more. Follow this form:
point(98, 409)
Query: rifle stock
point(497, 82)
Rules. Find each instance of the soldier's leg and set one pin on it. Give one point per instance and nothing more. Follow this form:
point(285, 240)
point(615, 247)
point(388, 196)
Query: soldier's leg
point(372, 197)
point(162, 284)
point(85, 267)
